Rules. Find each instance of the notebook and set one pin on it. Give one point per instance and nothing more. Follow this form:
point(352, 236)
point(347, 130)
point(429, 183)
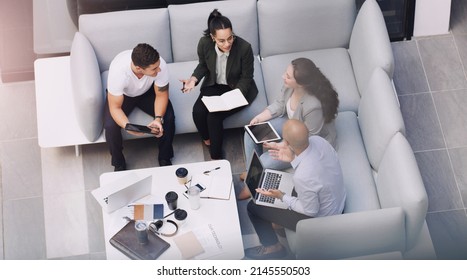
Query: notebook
point(212, 186)
point(127, 242)
point(258, 177)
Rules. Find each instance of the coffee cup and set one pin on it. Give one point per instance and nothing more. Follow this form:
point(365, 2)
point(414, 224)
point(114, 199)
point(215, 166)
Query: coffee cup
point(141, 232)
point(182, 175)
point(171, 198)
point(180, 216)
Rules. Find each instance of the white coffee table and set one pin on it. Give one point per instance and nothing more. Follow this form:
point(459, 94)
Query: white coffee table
point(222, 215)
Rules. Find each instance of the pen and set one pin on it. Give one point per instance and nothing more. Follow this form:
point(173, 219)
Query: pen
point(187, 183)
point(170, 213)
point(209, 171)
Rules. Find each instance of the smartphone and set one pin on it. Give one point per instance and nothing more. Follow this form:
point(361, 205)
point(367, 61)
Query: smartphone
point(138, 128)
point(201, 188)
point(158, 211)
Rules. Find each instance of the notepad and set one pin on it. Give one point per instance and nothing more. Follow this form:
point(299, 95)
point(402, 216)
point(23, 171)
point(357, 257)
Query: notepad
point(225, 102)
point(217, 186)
point(188, 245)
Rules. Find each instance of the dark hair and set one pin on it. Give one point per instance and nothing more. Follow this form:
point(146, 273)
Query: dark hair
point(313, 80)
point(144, 55)
point(216, 21)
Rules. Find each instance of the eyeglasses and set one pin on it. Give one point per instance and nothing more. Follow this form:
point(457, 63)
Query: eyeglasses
point(230, 40)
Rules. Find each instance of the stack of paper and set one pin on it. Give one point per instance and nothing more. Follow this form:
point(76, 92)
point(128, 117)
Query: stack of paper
point(200, 243)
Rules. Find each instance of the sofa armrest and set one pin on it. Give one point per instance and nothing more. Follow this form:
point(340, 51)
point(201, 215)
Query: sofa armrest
point(400, 184)
point(369, 44)
point(87, 92)
point(351, 235)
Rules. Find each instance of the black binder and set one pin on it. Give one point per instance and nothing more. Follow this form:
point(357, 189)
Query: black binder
point(126, 241)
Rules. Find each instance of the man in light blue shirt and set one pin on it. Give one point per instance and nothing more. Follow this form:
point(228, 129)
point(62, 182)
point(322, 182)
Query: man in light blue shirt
point(318, 184)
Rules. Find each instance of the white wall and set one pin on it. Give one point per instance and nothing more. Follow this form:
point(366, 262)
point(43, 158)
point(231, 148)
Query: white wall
point(432, 17)
point(53, 27)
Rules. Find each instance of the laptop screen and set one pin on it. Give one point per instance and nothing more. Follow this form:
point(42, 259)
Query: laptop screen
point(255, 171)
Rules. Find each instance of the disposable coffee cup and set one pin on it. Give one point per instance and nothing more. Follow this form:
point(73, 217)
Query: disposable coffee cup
point(194, 197)
point(182, 175)
point(171, 198)
point(180, 216)
point(141, 232)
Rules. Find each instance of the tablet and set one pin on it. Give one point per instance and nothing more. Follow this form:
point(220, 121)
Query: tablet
point(138, 128)
point(262, 132)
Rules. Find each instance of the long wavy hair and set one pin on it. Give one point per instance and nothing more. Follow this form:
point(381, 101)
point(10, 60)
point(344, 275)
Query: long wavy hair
point(314, 82)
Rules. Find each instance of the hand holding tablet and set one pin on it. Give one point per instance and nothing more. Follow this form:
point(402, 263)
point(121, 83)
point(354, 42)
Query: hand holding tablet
point(139, 128)
point(262, 132)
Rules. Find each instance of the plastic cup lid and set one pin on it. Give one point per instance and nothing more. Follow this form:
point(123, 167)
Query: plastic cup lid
point(180, 214)
point(171, 196)
point(181, 172)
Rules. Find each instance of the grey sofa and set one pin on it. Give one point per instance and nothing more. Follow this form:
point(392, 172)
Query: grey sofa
point(386, 205)
point(79, 7)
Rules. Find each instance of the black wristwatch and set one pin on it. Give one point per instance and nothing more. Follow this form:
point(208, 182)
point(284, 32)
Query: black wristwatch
point(160, 117)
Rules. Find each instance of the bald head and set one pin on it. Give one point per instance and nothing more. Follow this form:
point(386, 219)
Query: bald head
point(296, 134)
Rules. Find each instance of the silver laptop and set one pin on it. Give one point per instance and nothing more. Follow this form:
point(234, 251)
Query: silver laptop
point(123, 191)
point(258, 177)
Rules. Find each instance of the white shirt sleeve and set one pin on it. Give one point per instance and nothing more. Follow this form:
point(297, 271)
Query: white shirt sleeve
point(162, 78)
point(116, 82)
point(117, 79)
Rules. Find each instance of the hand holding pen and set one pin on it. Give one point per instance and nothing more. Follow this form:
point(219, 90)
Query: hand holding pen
point(189, 84)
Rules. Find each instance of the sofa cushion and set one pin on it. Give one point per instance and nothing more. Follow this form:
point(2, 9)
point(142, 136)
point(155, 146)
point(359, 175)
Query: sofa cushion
point(379, 116)
point(335, 65)
point(88, 97)
point(358, 177)
point(187, 23)
point(292, 26)
point(182, 102)
point(369, 45)
point(113, 32)
point(400, 184)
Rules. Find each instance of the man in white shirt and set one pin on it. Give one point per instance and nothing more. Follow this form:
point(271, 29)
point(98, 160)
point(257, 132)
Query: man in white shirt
point(139, 78)
point(318, 184)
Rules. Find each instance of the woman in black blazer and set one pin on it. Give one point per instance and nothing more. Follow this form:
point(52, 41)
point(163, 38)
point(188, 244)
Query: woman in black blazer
point(226, 62)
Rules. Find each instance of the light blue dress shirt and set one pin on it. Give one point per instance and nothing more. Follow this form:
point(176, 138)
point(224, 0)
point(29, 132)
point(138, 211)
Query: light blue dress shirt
point(317, 180)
